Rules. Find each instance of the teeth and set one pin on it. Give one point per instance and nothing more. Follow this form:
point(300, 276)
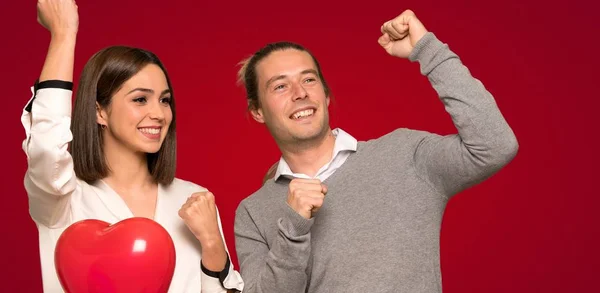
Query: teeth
point(304, 113)
point(150, 130)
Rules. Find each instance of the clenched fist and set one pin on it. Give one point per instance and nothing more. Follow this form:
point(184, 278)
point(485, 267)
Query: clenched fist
point(60, 17)
point(401, 34)
point(306, 196)
point(200, 215)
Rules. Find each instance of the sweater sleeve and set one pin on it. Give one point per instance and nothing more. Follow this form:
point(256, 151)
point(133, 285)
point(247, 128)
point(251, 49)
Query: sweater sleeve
point(277, 268)
point(484, 143)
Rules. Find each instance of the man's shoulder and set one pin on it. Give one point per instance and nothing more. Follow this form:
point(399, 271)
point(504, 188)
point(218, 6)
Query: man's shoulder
point(269, 192)
point(398, 136)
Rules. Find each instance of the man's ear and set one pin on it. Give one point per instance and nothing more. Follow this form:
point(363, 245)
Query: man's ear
point(257, 114)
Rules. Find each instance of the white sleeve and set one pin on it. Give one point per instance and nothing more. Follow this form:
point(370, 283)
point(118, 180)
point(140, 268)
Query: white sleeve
point(50, 178)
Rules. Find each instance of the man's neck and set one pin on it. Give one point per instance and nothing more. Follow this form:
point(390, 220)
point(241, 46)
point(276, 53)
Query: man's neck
point(307, 158)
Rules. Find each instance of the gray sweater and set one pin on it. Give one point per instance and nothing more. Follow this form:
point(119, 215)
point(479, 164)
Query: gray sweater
point(378, 229)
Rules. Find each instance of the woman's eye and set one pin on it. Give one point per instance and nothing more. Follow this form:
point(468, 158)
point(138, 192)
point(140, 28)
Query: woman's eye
point(140, 100)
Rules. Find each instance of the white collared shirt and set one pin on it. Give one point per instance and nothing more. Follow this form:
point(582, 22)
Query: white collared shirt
point(344, 145)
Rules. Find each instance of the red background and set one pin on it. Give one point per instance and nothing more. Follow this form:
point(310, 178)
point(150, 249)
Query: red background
point(531, 228)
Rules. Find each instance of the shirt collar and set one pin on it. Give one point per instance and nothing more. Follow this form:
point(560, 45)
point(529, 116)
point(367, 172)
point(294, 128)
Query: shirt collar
point(344, 142)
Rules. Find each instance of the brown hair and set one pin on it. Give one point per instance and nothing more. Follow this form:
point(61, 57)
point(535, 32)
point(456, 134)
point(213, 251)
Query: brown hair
point(247, 73)
point(102, 76)
point(271, 172)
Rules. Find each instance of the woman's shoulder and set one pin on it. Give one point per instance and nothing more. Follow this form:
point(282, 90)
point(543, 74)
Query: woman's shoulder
point(179, 185)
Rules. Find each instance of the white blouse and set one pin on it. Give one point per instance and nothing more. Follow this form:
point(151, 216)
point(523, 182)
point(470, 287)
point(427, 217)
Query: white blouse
point(57, 198)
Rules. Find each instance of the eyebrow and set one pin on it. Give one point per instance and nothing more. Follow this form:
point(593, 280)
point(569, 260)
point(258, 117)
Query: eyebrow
point(139, 89)
point(279, 77)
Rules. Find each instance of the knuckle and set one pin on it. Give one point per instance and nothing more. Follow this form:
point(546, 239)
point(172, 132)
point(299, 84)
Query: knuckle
point(209, 195)
point(295, 192)
point(184, 213)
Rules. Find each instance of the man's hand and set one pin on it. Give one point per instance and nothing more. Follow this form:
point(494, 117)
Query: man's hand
point(401, 34)
point(306, 196)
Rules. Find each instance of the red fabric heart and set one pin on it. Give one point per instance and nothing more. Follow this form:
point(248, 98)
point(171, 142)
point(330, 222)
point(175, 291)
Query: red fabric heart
point(133, 255)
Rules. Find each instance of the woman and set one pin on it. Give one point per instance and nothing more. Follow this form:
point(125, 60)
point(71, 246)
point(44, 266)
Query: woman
point(122, 159)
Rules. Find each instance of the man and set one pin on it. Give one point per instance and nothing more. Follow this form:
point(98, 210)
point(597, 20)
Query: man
point(347, 216)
